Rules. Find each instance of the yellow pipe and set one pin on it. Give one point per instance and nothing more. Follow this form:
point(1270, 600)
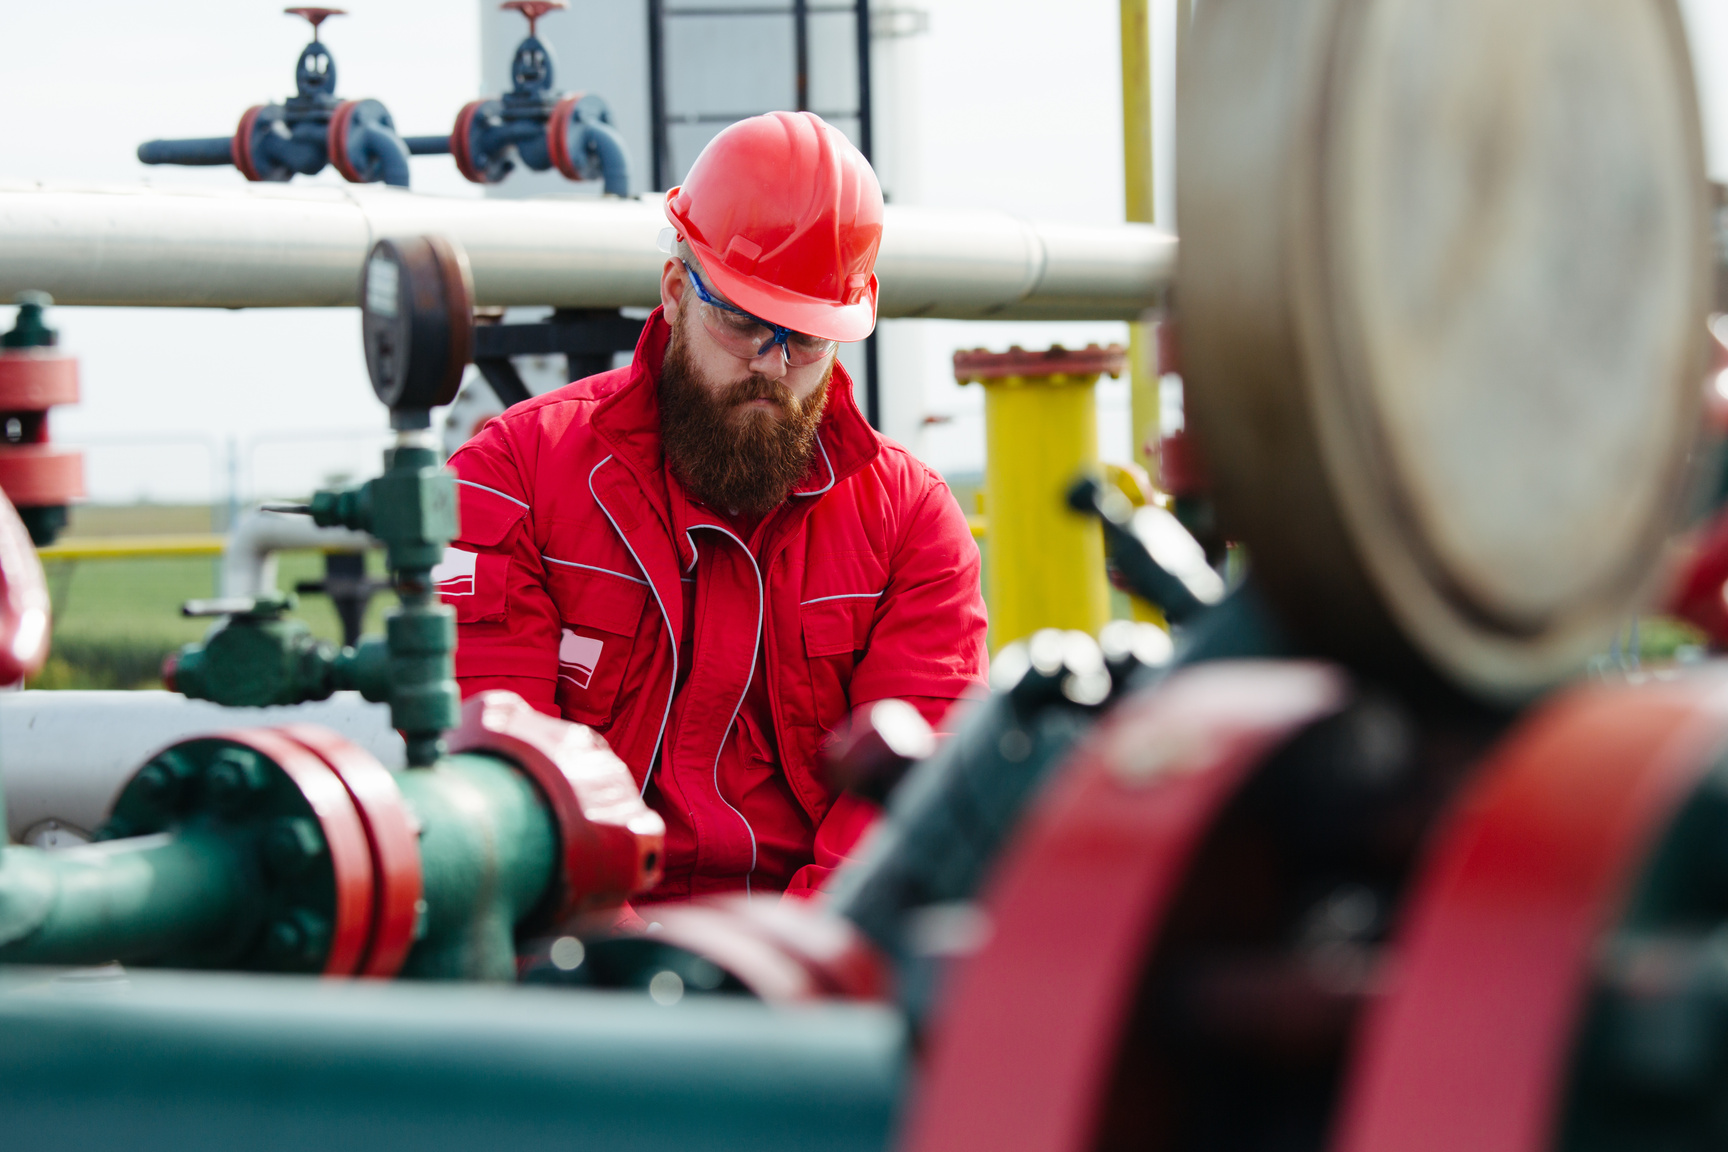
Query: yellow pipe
point(124, 547)
point(1139, 204)
point(1046, 566)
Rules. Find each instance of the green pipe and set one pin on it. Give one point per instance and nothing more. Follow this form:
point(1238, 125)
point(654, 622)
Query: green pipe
point(487, 854)
point(170, 898)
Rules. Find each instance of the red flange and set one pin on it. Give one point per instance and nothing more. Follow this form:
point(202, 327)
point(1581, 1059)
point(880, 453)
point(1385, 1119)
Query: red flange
point(1470, 1048)
point(393, 837)
point(784, 951)
point(613, 845)
point(1023, 1053)
point(240, 148)
point(24, 607)
point(460, 143)
point(38, 475)
point(336, 142)
point(35, 380)
point(558, 135)
point(344, 837)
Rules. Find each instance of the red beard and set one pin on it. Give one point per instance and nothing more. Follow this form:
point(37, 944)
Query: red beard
point(733, 457)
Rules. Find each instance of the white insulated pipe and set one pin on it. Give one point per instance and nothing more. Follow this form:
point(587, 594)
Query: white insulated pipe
point(280, 246)
point(249, 557)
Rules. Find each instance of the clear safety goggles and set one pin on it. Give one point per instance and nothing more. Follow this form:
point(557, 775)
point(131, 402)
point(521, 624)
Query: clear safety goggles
point(747, 337)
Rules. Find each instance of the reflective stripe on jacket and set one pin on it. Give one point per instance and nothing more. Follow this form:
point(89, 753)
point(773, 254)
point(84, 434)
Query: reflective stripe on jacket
point(569, 582)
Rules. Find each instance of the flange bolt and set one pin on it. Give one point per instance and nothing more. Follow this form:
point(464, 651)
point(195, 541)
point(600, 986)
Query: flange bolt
point(291, 845)
point(235, 779)
point(297, 939)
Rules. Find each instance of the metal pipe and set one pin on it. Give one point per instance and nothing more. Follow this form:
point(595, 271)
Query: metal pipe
point(249, 561)
point(279, 246)
point(65, 756)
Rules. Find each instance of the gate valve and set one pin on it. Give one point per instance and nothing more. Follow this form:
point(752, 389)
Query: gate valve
point(310, 129)
point(39, 479)
point(534, 124)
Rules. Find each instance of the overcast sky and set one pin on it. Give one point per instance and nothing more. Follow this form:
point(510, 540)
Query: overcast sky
point(1018, 108)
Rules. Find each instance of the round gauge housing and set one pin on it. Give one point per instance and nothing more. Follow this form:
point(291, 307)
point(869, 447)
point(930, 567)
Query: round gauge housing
point(417, 310)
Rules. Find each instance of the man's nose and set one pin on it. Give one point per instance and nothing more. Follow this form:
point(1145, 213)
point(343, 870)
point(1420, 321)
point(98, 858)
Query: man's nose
point(771, 363)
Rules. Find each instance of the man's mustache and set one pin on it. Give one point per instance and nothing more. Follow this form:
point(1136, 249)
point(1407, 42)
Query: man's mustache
point(760, 388)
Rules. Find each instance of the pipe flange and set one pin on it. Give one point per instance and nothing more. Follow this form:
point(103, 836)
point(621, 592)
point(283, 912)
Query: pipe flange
point(41, 475)
point(611, 844)
point(783, 951)
point(558, 136)
point(478, 167)
point(392, 832)
point(304, 832)
point(336, 142)
point(255, 122)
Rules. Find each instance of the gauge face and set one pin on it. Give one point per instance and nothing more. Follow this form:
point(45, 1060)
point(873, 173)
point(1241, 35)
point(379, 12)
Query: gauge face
point(417, 318)
point(1445, 271)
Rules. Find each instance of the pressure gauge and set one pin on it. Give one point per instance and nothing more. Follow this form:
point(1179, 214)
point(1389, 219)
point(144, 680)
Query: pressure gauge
point(417, 308)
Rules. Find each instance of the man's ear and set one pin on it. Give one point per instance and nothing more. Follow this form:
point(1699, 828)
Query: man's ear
point(672, 283)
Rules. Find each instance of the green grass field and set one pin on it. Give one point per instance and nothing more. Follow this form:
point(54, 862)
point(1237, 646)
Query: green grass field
point(114, 620)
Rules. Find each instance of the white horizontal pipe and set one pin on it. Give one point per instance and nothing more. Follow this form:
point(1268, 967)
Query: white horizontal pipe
point(249, 557)
point(277, 246)
point(67, 754)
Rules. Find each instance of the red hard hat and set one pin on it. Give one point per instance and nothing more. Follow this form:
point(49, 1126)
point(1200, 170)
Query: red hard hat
point(786, 217)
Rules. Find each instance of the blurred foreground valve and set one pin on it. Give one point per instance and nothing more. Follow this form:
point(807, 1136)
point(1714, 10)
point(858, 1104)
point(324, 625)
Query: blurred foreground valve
point(38, 479)
point(312, 128)
point(535, 124)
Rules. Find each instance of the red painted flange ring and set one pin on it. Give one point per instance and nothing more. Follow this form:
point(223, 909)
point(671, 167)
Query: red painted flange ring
point(344, 837)
point(36, 380)
point(1471, 1047)
point(612, 844)
point(240, 148)
point(782, 950)
point(460, 151)
point(336, 142)
point(41, 475)
point(558, 135)
point(392, 834)
point(1024, 1050)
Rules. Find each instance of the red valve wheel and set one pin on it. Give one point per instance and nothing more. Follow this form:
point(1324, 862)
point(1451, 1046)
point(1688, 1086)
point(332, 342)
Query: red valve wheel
point(24, 605)
point(533, 9)
point(613, 845)
point(461, 149)
point(315, 16)
point(40, 475)
point(558, 135)
point(344, 837)
point(36, 380)
point(1023, 1053)
point(240, 148)
point(337, 142)
point(392, 836)
point(1471, 1047)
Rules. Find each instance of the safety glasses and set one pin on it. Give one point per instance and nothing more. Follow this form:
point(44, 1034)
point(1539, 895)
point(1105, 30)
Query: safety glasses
point(746, 336)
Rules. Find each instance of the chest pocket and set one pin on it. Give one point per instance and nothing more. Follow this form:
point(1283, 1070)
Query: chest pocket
point(470, 581)
point(600, 615)
point(835, 631)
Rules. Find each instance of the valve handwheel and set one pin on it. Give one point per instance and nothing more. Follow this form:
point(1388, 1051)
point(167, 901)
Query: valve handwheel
point(533, 9)
point(315, 16)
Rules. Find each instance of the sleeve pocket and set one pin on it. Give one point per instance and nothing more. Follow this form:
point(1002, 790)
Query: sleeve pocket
point(472, 583)
point(837, 627)
point(601, 614)
point(486, 517)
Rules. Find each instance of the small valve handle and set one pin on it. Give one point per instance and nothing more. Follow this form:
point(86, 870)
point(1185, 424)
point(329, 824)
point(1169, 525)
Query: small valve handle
point(532, 9)
point(268, 605)
point(317, 16)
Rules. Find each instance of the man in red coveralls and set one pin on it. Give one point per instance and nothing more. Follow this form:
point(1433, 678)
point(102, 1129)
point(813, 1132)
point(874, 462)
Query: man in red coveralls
point(709, 556)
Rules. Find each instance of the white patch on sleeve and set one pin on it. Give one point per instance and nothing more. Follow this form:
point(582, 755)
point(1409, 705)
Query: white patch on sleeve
point(578, 656)
point(454, 575)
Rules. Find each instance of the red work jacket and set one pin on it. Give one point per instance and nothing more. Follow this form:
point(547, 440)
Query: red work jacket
point(585, 579)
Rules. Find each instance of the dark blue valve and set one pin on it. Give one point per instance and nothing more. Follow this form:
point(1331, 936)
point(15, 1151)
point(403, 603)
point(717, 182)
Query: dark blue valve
point(535, 125)
point(310, 129)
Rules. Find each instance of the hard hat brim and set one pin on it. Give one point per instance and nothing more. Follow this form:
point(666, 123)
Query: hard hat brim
point(810, 315)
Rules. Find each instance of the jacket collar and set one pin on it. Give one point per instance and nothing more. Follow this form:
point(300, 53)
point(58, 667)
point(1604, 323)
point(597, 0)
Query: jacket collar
point(628, 422)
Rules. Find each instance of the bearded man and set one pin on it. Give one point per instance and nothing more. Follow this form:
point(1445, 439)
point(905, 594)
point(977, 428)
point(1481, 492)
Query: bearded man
point(709, 556)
